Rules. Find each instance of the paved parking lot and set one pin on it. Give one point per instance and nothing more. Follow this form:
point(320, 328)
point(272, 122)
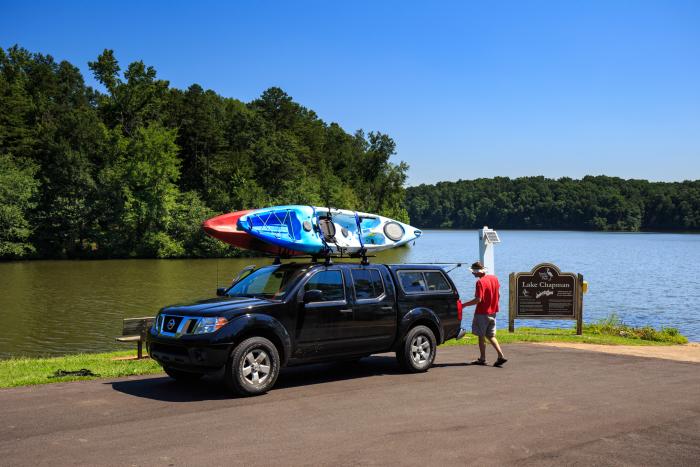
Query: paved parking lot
point(547, 406)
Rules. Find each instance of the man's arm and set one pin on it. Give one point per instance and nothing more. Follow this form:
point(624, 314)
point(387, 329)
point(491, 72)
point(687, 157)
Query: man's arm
point(478, 293)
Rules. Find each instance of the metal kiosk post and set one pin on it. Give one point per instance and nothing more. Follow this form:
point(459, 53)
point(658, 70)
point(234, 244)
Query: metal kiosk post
point(487, 239)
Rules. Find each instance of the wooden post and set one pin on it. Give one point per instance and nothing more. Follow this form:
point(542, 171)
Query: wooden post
point(579, 299)
point(511, 302)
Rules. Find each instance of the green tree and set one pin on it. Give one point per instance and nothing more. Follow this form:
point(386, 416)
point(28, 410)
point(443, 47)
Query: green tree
point(133, 101)
point(185, 227)
point(17, 190)
point(140, 194)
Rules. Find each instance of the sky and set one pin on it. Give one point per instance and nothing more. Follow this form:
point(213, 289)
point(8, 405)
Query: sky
point(466, 89)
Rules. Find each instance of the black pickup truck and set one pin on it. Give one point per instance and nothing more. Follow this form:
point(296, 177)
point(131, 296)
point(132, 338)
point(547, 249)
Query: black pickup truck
point(291, 314)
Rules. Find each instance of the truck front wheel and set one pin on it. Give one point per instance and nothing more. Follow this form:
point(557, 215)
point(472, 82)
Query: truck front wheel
point(418, 350)
point(253, 367)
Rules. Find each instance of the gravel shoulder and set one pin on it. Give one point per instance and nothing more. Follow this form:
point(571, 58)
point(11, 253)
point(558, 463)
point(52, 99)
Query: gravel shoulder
point(681, 353)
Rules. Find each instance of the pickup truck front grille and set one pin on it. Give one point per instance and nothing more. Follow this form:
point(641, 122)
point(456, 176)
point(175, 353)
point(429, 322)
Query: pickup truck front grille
point(175, 326)
point(171, 324)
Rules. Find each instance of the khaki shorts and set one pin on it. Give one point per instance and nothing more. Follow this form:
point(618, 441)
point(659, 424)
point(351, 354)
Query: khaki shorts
point(484, 325)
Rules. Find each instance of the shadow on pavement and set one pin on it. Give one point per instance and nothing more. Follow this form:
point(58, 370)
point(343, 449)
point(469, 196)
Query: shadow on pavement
point(167, 389)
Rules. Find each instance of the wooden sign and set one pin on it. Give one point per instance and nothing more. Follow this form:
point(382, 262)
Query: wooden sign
point(546, 293)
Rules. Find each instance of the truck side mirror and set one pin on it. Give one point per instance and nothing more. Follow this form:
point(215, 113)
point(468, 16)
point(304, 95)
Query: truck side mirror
point(221, 291)
point(313, 295)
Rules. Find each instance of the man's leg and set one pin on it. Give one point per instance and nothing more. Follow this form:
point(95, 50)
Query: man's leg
point(478, 330)
point(482, 348)
point(496, 346)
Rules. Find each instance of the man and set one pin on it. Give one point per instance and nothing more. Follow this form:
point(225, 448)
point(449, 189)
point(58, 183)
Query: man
point(484, 322)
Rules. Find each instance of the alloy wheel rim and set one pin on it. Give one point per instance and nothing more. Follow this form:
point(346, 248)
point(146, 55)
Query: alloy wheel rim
point(420, 349)
point(256, 367)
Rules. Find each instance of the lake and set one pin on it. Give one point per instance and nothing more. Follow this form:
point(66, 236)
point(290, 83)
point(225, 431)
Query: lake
point(63, 307)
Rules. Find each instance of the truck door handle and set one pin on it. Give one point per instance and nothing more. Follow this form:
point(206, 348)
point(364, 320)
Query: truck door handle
point(388, 308)
point(347, 310)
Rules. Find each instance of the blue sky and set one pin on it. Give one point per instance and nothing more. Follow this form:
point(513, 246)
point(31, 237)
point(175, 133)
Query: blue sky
point(467, 89)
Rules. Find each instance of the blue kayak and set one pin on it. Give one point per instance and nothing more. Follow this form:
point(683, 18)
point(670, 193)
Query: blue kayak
point(319, 230)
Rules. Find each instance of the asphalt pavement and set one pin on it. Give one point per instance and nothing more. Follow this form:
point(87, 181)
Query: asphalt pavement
point(546, 406)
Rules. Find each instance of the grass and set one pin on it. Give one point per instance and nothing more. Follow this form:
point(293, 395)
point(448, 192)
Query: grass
point(613, 326)
point(608, 331)
point(525, 334)
point(31, 371)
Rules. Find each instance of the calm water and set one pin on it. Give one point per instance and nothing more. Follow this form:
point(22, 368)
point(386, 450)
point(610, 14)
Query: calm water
point(60, 307)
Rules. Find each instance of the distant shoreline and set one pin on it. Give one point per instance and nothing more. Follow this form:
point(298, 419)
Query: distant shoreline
point(592, 203)
point(692, 232)
point(243, 254)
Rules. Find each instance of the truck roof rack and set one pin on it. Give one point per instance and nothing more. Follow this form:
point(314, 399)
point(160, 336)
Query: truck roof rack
point(327, 258)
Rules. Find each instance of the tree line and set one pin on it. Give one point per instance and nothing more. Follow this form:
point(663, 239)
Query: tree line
point(132, 170)
point(591, 203)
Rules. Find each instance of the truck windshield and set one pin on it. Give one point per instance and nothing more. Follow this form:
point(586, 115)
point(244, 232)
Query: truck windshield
point(271, 282)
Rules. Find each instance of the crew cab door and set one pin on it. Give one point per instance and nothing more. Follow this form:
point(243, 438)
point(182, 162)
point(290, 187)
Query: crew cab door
point(324, 327)
point(374, 311)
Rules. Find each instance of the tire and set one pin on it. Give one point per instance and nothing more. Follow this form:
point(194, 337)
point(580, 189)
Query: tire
point(253, 359)
point(182, 376)
point(417, 352)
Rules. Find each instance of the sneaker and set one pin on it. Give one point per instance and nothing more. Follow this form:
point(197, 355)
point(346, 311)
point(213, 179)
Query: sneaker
point(478, 361)
point(500, 361)
point(461, 334)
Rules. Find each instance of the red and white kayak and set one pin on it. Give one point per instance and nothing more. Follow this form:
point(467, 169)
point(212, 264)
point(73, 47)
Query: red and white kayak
point(224, 228)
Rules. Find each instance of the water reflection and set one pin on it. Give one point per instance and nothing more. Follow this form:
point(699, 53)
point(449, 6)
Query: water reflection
point(59, 307)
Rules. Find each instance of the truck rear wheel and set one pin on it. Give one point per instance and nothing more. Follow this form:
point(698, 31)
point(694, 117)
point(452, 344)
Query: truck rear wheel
point(253, 367)
point(417, 353)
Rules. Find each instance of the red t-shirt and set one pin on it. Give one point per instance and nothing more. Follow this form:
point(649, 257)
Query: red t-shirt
point(487, 289)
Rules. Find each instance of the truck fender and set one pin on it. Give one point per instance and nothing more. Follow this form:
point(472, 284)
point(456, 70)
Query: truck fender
point(421, 314)
point(250, 323)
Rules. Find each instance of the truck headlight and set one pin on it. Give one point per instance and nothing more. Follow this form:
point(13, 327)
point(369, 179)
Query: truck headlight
point(158, 323)
point(206, 325)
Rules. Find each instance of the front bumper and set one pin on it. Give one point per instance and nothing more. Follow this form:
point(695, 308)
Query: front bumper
point(187, 354)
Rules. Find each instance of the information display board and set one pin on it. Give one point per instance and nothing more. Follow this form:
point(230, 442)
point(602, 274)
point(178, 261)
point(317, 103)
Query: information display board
point(545, 293)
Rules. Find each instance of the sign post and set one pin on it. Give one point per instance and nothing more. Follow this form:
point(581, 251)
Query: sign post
point(545, 293)
point(579, 319)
